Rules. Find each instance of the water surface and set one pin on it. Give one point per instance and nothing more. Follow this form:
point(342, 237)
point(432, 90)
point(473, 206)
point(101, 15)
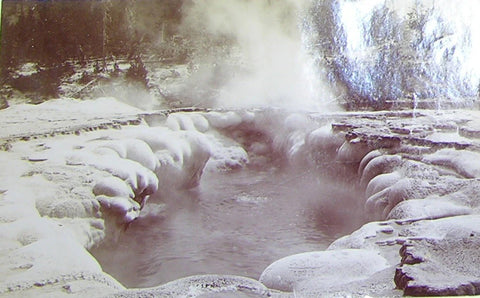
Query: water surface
point(235, 223)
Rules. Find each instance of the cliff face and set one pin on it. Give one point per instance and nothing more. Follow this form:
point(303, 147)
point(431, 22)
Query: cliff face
point(385, 50)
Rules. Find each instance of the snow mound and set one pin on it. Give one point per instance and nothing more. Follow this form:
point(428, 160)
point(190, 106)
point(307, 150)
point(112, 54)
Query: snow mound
point(45, 254)
point(314, 270)
point(142, 180)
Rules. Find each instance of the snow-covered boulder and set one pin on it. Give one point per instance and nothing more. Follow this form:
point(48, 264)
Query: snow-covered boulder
point(379, 165)
point(140, 179)
point(352, 151)
point(123, 209)
point(182, 160)
point(113, 187)
point(136, 150)
point(222, 120)
point(381, 182)
point(323, 140)
point(314, 270)
point(188, 121)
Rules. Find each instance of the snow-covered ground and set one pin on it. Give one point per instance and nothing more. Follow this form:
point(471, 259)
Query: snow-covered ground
point(72, 180)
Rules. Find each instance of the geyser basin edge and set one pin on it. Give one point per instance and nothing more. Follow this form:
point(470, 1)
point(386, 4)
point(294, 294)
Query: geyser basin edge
point(403, 163)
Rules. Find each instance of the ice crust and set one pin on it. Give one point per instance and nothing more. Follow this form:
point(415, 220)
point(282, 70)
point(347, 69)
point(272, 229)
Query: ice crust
point(65, 193)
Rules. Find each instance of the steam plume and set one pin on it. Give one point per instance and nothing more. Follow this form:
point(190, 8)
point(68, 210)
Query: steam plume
point(270, 64)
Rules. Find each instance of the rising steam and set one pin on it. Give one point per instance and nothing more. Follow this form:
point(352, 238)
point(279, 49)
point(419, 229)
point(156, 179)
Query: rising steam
point(251, 53)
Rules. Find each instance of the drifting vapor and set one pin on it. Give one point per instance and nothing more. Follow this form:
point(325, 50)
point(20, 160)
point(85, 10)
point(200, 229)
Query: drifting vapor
point(252, 53)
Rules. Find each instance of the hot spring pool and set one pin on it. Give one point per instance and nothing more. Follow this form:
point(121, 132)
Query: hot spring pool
point(236, 222)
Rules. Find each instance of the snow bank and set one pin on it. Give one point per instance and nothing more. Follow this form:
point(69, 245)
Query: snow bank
point(142, 160)
point(40, 253)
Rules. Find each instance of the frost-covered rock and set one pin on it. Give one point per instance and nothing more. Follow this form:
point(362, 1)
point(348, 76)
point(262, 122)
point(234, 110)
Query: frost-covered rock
point(380, 204)
point(136, 150)
point(314, 270)
point(364, 237)
point(443, 261)
point(381, 182)
point(226, 154)
point(440, 268)
point(113, 187)
point(123, 209)
point(352, 151)
point(187, 121)
point(366, 159)
point(223, 120)
point(182, 160)
point(324, 140)
point(379, 165)
point(140, 179)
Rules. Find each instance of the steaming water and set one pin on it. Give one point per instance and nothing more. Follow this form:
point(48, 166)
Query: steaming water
point(235, 223)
